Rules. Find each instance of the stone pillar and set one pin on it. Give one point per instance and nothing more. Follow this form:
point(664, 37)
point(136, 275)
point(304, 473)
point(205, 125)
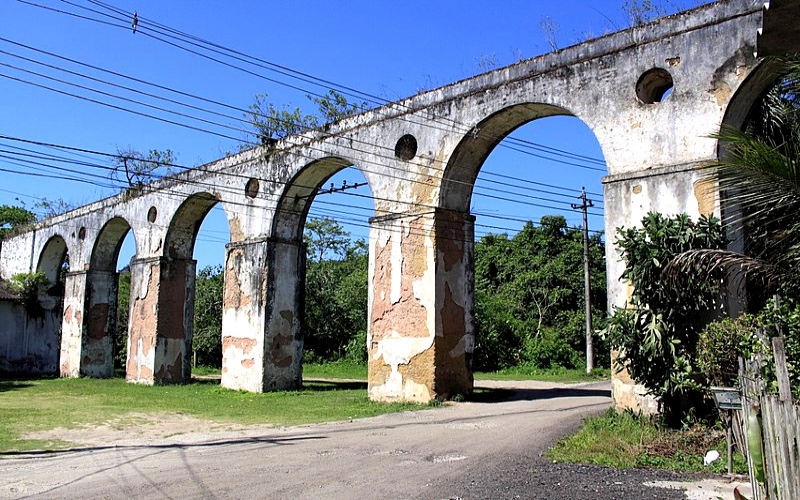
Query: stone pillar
point(420, 330)
point(628, 198)
point(160, 321)
point(97, 359)
point(262, 340)
point(72, 323)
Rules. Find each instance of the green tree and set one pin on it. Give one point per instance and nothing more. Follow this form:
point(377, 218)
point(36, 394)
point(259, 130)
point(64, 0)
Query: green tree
point(136, 168)
point(271, 123)
point(657, 333)
point(529, 298)
point(121, 331)
point(12, 217)
point(334, 106)
point(50, 208)
point(336, 293)
point(207, 336)
point(760, 175)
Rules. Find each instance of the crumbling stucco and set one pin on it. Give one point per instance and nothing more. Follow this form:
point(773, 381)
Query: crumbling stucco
point(420, 330)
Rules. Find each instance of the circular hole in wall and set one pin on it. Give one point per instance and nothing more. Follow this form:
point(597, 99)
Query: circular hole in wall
point(82, 233)
point(152, 214)
point(251, 188)
point(406, 147)
point(654, 86)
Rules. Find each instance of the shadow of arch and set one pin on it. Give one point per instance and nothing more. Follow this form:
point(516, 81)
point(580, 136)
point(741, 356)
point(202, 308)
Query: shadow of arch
point(472, 151)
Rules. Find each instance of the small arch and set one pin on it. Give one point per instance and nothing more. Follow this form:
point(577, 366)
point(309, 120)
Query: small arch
point(185, 224)
point(464, 164)
point(107, 245)
point(760, 80)
point(293, 207)
point(52, 258)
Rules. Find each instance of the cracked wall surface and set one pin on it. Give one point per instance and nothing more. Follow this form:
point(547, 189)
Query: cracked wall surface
point(421, 336)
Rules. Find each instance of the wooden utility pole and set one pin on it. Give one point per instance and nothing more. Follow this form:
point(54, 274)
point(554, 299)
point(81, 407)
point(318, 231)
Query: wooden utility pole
point(584, 206)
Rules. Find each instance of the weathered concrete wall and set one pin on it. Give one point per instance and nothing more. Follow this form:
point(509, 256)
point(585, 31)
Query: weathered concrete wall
point(29, 344)
point(669, 191)
point(160, 320)
point(420, 157)
point(420, 331)
point(262, 337)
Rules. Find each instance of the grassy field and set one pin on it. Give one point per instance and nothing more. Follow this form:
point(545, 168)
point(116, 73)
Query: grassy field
point(626, 440)
point(35, 405)
point(349, 370)
point(527, 372)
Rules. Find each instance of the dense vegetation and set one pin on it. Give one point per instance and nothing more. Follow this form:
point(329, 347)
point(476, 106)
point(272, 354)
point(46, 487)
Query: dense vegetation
point(529, 299)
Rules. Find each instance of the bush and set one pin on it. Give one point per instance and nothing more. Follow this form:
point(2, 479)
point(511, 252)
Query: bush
point(720, 345)
point(658, 332)
point(552, 349)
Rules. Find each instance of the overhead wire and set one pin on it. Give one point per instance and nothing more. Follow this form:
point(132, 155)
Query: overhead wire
point(465, 128)
point(513, 186)
point(472, 185)
point(182, 196)
point(196, 107)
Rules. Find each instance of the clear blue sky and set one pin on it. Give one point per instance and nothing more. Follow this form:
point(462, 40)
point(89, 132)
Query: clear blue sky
point(387, 49)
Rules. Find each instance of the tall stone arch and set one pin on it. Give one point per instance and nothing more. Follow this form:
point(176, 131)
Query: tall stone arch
point(87, 347)
point(162, 300)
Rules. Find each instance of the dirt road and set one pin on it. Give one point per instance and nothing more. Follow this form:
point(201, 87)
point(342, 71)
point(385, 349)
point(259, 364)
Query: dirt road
point(466, 450)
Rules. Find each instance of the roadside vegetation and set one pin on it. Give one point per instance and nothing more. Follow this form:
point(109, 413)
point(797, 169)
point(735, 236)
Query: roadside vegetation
point(625, 440)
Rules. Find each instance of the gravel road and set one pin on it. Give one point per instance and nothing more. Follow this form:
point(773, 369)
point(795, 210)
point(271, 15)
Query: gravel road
point(469, 450)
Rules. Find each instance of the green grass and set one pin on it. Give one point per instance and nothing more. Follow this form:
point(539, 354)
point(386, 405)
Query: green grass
point(336, 369)
point(358, 371)
point(527, 372)
point(38, 405)
point(626, 440)
point(203, 371)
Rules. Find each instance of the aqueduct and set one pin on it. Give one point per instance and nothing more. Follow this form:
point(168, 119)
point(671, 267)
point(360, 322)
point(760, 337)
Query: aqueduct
point(420, 157)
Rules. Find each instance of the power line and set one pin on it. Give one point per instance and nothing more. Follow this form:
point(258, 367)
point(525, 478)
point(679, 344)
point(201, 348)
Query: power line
point(205, 170)
point(265, 65)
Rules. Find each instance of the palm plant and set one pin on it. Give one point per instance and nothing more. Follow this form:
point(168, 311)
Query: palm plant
point(759, 175)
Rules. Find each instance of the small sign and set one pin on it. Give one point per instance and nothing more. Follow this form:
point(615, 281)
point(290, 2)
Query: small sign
point(727, 398)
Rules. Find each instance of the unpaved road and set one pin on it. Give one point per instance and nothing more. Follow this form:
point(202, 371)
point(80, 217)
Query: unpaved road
point(467, 450)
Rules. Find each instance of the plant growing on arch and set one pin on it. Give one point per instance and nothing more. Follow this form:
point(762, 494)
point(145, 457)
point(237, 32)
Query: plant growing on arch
point(657, 333)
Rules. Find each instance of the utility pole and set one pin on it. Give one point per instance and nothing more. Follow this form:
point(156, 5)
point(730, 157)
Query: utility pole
point(584, 206)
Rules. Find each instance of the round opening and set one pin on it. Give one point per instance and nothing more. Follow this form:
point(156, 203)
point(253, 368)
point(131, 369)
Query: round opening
point(406, 147)
point(152, 214)
point(654, 86)
point(251, 188)
point(82, 233)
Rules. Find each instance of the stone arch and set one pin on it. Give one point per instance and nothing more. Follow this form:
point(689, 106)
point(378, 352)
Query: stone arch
point(161, 319)
point(754, 86)
point(296, 200)
point(46, 324)
point(98, 331)
point(105, 252)
point(52, 258)
point(468, 157)
point(185, 224)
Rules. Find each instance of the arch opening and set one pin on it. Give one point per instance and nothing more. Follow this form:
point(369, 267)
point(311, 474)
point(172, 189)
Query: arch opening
point(326, 209)
point(45, 317)
point(521, 174)
point(756, 189)
point(104, 340)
